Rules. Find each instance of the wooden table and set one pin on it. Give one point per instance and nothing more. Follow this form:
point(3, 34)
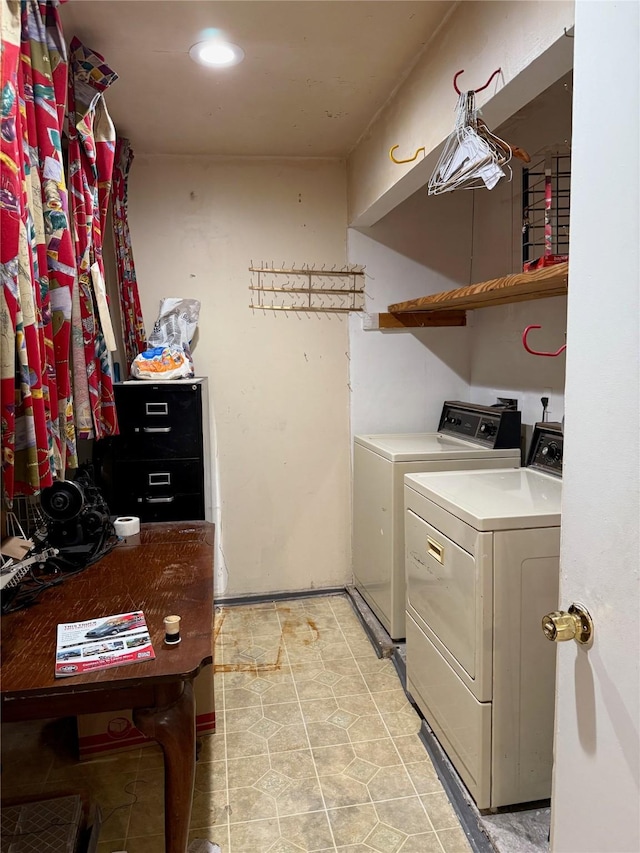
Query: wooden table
point(166, 569)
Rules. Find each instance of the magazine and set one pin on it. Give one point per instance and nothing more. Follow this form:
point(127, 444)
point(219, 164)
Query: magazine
point(101, 643)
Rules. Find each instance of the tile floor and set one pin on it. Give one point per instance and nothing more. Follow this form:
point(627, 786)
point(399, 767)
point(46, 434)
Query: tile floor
point(316, 749)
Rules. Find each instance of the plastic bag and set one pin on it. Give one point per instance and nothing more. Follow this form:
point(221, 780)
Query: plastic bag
point(169, 352)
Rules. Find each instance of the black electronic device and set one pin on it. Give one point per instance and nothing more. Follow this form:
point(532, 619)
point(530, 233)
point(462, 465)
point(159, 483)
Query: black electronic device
point(76, 514)
point(497, 427)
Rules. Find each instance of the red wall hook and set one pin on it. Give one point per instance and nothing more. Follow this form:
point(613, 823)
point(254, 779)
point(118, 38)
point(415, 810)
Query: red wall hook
point(458, 73)
point(537, 352)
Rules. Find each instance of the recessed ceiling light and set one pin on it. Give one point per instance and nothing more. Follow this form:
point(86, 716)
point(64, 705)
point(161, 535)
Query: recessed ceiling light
point(215, 53)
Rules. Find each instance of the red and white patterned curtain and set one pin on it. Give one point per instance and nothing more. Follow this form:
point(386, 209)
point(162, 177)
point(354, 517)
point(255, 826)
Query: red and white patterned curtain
point(92, 139)
point(48, 242)
point(37, 266)
point(133, 331)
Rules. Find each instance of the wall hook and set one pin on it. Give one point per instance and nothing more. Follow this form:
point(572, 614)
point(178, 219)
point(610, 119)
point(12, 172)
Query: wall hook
point(537, 352)
point(409, 160)
point(458, 73)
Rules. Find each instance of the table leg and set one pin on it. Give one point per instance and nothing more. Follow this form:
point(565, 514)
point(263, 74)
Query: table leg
point(172, 722)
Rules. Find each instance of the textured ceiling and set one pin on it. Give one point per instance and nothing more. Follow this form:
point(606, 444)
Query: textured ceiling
point(314, 74)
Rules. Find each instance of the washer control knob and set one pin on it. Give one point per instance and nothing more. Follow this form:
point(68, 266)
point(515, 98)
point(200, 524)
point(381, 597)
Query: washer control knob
point(488, 429)
point(551, 452)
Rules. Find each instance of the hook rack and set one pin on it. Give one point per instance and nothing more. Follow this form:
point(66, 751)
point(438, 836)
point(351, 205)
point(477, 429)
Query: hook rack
point(539, 352)
point(309, 290)
point(475, 91)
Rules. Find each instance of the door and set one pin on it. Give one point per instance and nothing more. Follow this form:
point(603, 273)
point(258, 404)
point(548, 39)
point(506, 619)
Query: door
point(596, 791)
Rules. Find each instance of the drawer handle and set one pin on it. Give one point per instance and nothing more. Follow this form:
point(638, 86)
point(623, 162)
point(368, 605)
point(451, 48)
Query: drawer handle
point(435, 549)
point(160, 500)
point(157, 429)
point(160, 479)
point(156, 408)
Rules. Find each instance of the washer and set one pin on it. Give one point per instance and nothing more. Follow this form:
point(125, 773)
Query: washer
point(482, 557)
point(469, 436)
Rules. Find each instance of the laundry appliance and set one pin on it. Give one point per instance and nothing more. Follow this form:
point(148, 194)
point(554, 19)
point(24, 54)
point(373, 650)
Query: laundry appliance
point(482, 557)
point(468, 436)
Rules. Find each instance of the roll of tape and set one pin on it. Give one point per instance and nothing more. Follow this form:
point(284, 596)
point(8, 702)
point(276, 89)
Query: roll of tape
point(127, 525)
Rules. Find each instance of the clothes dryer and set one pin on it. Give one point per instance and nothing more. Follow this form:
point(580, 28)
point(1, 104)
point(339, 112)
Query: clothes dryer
point(482, 557)
point(469, 436)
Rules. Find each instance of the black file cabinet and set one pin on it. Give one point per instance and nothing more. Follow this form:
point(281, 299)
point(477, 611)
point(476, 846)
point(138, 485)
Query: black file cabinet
point(155, 468)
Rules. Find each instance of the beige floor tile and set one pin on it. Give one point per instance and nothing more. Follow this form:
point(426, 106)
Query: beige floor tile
point(361, 704)
point(209, 809)
point(253, 836)
point(294, 764)
point(288, 738)
point(341, 790)
point(286, 713)
point(424, 777)
point(146, 818)
point(245, 743)
point(240, 697)
point(213, 747)
point(144, 844)
point(405, 722)
point(454, 841)
point(110, 846)
point(245, 802)
point(314, 689)
point(348, 666)
point(367, 728)
point(424, 842)
point(242, 772)
point(288, 676)
point(381, 752)
point(227, 679)
point(389, 783)
point(309, 831)
point(318, 710)
point(279, 693)
point(351, 825)
point(326, 734)
point(350, 684)
point(241, 719)
point(406, 815)
point(440, 811)
point(333, 759)
point(411, 748)
point(210, 776)
point(299, 797)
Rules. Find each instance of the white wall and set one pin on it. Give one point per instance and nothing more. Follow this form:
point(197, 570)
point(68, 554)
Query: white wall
point(399, 379)
point(500, 366)
point(596, 789)
point(518, 36)
point(277, 382)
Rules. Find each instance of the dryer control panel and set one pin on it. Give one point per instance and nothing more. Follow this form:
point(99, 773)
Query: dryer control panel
point(489, 426)
point(546, 450)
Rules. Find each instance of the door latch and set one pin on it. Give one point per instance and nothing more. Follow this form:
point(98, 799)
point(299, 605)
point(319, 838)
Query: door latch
point(574, 624)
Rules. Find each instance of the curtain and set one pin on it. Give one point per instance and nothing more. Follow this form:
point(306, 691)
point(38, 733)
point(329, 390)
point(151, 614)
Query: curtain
point(91, 155)
point(36, 254)
point(50, 240)
point(133, 331)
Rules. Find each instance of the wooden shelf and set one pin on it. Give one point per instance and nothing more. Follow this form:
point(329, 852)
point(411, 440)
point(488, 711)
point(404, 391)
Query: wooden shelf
point(520, 287)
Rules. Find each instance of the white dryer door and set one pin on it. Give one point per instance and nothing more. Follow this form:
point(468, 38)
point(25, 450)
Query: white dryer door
point(451, 593)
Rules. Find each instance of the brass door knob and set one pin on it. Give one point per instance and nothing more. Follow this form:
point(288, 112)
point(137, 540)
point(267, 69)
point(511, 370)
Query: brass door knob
point(576, 624)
